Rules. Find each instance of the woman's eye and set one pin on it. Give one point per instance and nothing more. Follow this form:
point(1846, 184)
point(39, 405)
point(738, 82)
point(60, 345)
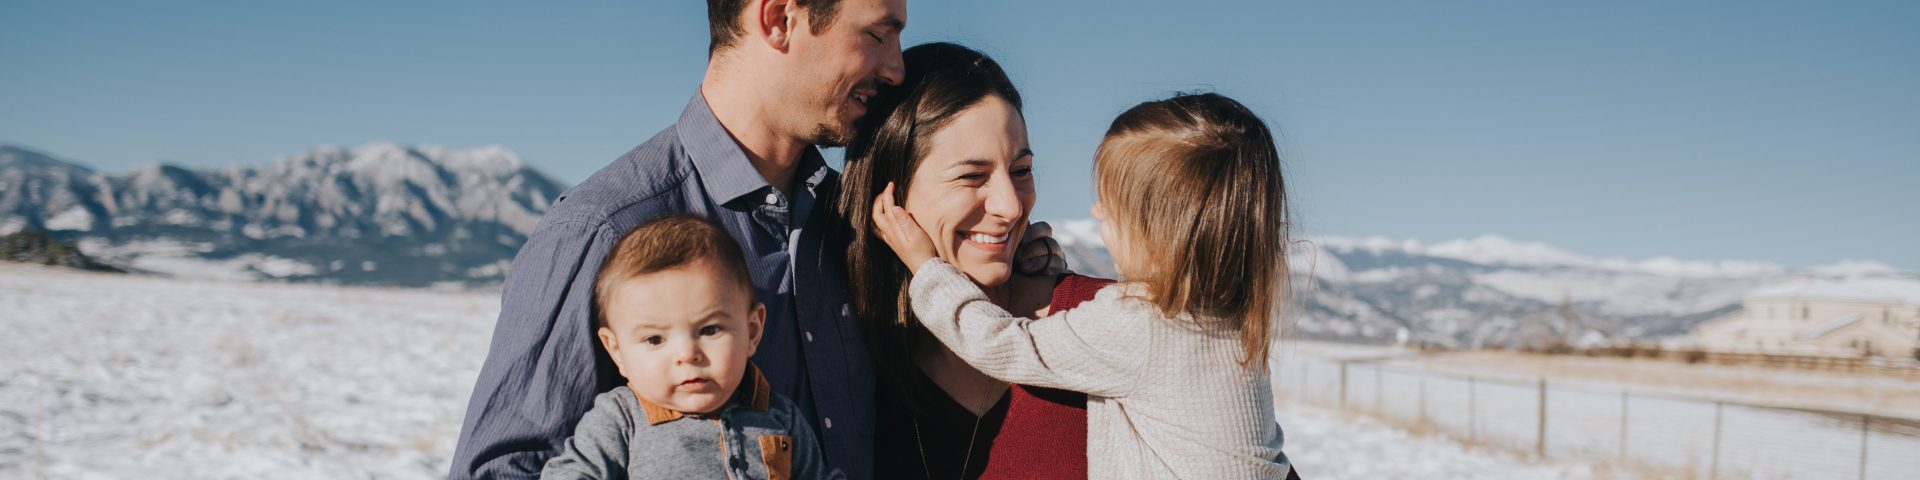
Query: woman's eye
point(653, 340)
point(710, 330)
point(974, 177)
point(1023, 172)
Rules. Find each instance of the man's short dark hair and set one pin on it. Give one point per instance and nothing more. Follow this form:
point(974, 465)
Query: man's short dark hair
point(723, 20)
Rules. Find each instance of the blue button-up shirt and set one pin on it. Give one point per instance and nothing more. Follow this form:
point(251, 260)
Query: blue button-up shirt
point(545, 365)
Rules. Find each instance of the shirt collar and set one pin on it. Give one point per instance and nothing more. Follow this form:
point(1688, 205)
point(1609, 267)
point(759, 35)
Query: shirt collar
point(725, 170)
point(754, 395)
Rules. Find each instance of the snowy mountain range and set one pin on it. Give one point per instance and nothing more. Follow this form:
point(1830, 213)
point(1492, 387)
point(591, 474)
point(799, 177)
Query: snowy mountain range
point(419, 215)
point(380, 213)
point(1490, 290)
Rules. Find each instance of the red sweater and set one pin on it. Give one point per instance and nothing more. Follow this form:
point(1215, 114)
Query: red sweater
point(1045, 433)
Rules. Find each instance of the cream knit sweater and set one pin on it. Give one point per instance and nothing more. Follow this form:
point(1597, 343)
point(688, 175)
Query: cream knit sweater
point(1165, 398)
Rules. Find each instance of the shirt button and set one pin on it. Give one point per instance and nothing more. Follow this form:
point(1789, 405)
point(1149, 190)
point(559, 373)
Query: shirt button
point(773, 198)
point(809, 336)
point(846, 310)
point(828, 422)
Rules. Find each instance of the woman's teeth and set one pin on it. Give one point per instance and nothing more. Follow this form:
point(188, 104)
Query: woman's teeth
point(984, 238)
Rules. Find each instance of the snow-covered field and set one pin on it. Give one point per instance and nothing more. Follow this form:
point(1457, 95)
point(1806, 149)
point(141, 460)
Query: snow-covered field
point(117, 376)
point(1326, 444)
point(120, 376)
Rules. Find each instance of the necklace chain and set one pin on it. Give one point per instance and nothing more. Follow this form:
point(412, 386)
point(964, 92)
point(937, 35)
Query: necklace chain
point(972, 438)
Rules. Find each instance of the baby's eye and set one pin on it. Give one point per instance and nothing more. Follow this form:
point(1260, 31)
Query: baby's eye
point(655, 340)
point(710, 330)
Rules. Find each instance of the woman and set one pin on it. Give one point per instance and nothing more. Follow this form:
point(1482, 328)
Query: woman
point(952, 139)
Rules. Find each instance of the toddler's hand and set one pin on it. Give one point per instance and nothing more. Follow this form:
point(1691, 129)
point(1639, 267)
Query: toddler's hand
point(896, 227)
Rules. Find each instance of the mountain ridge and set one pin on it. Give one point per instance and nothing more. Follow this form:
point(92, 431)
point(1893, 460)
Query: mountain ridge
point(431, 213)
point(384, 213)
point(1494, 291)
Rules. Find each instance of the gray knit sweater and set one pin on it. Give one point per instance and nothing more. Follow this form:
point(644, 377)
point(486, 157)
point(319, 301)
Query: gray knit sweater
point(1166, 398)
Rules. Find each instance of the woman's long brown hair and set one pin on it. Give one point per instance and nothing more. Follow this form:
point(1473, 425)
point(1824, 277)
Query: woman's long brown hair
point(942, 80)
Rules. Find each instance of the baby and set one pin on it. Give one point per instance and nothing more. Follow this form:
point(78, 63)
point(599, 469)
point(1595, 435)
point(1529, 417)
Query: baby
point(677, 315)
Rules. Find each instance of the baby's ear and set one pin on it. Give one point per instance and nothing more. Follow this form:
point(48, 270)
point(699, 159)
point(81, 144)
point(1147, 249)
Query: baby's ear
point(607, 342)
point(756, 323)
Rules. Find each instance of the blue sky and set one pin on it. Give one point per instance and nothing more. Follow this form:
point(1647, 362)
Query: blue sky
point(1778, 131)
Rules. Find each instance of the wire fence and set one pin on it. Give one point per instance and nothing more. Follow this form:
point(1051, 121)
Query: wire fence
point(1649, 432)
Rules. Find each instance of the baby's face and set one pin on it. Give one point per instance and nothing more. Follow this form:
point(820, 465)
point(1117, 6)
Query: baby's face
point(682, 336)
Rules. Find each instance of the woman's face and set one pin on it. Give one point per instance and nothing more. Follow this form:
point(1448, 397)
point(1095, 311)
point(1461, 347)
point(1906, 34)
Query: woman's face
point(974, 189)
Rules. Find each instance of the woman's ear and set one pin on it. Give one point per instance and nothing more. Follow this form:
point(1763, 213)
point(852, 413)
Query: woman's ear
point(774, 22)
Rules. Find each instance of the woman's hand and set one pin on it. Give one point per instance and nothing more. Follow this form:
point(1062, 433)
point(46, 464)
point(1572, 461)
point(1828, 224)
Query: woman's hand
point(896, 227)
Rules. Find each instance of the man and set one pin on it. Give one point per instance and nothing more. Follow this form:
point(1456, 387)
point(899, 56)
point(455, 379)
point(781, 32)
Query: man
point(782, 76)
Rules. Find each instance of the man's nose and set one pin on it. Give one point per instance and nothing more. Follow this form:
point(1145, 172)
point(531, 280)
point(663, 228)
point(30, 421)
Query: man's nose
point(893, 68)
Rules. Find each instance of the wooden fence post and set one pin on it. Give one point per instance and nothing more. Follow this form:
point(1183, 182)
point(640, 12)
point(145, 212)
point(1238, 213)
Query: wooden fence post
point(1473, 414)
point(1623, 426)
point(1540, 440)
point(1863, 445)
point(1717, 407)
point(1343, 385)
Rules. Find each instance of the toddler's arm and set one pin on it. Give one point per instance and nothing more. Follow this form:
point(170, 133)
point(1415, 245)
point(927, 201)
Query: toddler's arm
point(1093, 348)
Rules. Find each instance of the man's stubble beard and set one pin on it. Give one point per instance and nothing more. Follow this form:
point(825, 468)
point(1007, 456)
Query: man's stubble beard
point(826, 136)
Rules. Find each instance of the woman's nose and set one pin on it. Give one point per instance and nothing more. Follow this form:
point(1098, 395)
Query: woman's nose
point(1002, 199)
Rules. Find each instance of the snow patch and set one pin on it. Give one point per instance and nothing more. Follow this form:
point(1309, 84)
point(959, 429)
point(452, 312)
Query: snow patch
point(1874, 290)
point(1079, 232)
point(1855, 268)
point(76, 218)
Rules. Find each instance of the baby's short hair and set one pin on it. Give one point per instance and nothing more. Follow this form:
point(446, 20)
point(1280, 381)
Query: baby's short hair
point(666, 243)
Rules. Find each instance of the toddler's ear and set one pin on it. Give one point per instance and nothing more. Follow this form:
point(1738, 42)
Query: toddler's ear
point(756, 320)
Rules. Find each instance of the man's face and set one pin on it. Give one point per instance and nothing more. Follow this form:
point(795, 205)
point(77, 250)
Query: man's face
point(682, 336)
point(834, 73)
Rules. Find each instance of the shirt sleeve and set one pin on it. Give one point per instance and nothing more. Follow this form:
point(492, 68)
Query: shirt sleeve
point(598, 448)
point(1094, 349)
point(542, 368)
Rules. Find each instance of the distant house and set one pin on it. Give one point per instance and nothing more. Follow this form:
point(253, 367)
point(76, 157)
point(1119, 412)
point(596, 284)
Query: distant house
point(1860, 317)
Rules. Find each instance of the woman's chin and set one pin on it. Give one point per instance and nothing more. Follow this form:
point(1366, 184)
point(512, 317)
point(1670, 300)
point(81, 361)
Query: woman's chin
point(987, 274)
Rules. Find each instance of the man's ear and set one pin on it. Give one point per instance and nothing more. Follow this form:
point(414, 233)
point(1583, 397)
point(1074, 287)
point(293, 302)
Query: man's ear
point(756, 323)
point(774, 22)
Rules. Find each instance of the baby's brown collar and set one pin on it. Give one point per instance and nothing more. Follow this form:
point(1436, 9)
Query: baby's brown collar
point(755, 395)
